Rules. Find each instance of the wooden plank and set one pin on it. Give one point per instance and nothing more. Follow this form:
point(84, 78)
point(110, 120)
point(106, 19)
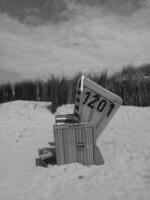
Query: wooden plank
point(85, 160)
point(62, 150)
point(78, 140)
point(65, 144)
point(89, 139)
point(85, 154)
point(81, 145)
point(59, 145)
point(56, 143)
point(74, 143)
point(72, 146)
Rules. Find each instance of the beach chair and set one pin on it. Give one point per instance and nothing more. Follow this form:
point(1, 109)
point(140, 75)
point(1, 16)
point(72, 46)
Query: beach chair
point(76, 142)
point(76, 134)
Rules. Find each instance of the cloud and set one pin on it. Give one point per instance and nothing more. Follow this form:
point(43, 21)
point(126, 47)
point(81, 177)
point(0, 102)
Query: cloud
point(38, 12)
point(91, 39)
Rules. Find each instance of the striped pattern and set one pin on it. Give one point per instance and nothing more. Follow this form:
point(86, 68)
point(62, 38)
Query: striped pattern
point(75, 143)
point(78, 101)
point(84, 113)
point(93, 115)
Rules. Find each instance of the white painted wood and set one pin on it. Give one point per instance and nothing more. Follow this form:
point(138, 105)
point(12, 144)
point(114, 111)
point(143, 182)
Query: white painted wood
point(75, 143)
point(94, 104)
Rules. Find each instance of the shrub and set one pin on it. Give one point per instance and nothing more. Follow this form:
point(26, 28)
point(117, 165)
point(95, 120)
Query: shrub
point(132, 84)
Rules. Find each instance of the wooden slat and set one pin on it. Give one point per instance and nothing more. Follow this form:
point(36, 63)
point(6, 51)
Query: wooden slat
point(90, 146)
point(59, 146)
point(82, 145)
point(74, 143)
point(66, 139)
point(78, 140)
point(84, 150)
point(56, 143)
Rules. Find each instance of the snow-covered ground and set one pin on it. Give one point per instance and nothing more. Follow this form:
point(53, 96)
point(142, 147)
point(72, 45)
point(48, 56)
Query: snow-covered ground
point(125, 145)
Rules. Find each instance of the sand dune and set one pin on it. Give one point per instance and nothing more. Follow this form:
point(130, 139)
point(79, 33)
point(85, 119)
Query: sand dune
point(125, 145)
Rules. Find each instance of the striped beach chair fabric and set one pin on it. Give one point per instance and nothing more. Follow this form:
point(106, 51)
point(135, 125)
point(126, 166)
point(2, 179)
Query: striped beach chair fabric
point(75, 143)
point(75, 134)
point(94, 103)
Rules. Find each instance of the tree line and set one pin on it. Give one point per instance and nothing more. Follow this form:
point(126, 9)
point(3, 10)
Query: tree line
point(132, 84)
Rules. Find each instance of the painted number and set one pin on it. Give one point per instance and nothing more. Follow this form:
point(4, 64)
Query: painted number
point(111, 107)
point(86, 97)
point(101, 103)
point(96, 98)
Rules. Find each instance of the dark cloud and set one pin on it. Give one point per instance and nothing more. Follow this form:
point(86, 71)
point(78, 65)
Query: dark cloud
point(47, 10)
point(42, 9)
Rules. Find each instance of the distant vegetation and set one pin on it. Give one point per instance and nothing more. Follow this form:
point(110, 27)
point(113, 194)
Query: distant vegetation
point(132, 84)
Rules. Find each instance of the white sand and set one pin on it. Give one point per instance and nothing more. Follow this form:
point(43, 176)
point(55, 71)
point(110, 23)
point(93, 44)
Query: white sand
point(125, 145)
